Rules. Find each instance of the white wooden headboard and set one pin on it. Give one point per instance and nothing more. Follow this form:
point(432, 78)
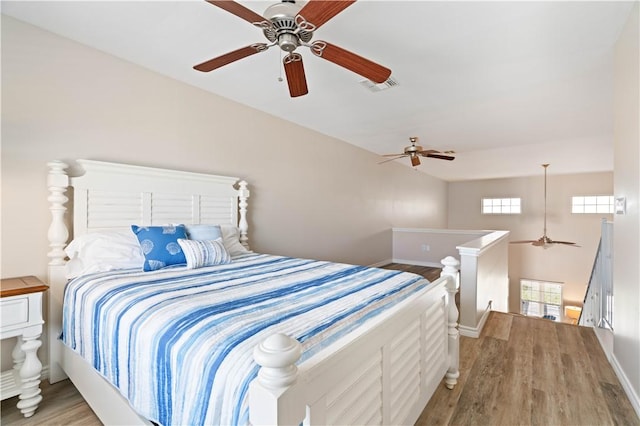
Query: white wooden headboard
point(116, 196)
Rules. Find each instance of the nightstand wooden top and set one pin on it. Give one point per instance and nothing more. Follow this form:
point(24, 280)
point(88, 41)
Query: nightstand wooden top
point(21, 285)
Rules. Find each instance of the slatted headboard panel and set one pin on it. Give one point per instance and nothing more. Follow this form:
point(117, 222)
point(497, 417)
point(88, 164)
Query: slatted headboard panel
point(112, 195)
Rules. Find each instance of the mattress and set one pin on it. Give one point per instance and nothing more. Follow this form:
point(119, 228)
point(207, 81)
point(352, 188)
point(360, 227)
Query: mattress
point(178, 343)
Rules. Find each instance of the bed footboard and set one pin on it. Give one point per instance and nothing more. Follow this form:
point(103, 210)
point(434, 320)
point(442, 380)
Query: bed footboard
point(386, 374)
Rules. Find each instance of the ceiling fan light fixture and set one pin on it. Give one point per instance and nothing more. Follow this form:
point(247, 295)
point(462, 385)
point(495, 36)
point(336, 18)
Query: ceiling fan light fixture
point(283, 10)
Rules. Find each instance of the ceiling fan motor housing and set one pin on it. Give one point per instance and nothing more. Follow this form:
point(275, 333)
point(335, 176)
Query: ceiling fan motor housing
point(413, 149)
point(284, 28)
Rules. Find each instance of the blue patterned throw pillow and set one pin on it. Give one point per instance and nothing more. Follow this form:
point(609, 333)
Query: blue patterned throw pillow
point(160, 246)
point(200, 253)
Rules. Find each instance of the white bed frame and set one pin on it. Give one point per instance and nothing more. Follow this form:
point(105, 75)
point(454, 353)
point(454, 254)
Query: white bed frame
point(382, 373)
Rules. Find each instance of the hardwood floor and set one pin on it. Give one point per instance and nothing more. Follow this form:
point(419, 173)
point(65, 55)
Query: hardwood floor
point(61, 405)
point(521, 371)
point(529, 371)
point(428, 272)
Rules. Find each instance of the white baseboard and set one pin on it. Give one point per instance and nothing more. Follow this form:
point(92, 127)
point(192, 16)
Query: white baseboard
point(469, 331)
point(475, 331)
point(626, 384)
point(8, 386)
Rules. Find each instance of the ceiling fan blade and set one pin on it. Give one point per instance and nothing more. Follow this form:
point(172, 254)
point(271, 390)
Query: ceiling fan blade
point(237, 9)
point(294, 69)
point(391, 159)
point(230, 57)
point(394, 155)
point(318, 12)
point(569, 243)
point(523, 242)
point(339, 56)
point(440, 156)
point(415, 160)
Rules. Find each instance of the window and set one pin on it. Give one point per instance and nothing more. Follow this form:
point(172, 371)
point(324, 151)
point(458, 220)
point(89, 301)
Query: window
point(541, 299)
point(592, 204)
point(501, 206)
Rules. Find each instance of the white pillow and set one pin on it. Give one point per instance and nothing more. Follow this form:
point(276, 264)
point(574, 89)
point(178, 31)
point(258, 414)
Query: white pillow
point(200, 253)
point(103, 251)
point(231, 240)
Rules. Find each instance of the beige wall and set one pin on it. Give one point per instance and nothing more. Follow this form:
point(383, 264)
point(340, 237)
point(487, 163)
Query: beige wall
point(626, 228)
point(312, 195)
point(570, 265)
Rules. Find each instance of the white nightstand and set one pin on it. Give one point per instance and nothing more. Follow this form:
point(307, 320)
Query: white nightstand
point(21, 314)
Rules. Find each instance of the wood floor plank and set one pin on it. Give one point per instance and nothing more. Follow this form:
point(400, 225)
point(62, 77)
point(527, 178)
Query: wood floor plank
point(513, 401)
point(550, 405)
point(429, 272)
point(597, 357)
point(440, 408)
point(477, 398)
point(579, 374)
point(498, 326)
point(620, 408)
point(61, 405)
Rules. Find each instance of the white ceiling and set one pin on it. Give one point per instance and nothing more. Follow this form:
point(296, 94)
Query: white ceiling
point(507, 85)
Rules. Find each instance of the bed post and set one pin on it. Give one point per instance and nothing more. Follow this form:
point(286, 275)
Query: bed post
point(57, 182)
point(274, 396)
point(243, 225)
point(451, 269)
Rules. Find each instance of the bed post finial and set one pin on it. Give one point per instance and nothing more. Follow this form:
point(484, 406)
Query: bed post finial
point(243, 225)
point(57, 182)
point(274, 398)
point(451, 269)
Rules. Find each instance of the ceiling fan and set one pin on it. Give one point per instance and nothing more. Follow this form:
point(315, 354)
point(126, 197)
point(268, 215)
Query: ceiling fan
point(289, 25)
point(544, 241)
point(414, 152)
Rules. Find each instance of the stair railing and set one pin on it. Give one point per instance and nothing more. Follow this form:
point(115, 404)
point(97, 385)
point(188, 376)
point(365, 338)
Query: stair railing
point(597, 309)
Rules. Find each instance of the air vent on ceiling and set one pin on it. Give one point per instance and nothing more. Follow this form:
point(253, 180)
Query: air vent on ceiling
point(377, 87)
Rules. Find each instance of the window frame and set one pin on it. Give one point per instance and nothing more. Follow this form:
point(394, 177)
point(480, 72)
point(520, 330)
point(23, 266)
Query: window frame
point(592, 204)
point(541, 305)
point(503, 204)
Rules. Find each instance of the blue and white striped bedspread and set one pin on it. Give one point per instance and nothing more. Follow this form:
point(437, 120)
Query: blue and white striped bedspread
point(178, 343)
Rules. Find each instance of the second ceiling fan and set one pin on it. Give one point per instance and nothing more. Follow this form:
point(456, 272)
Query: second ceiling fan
point(414, 152)
point(289, 25)
point(545, 241)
